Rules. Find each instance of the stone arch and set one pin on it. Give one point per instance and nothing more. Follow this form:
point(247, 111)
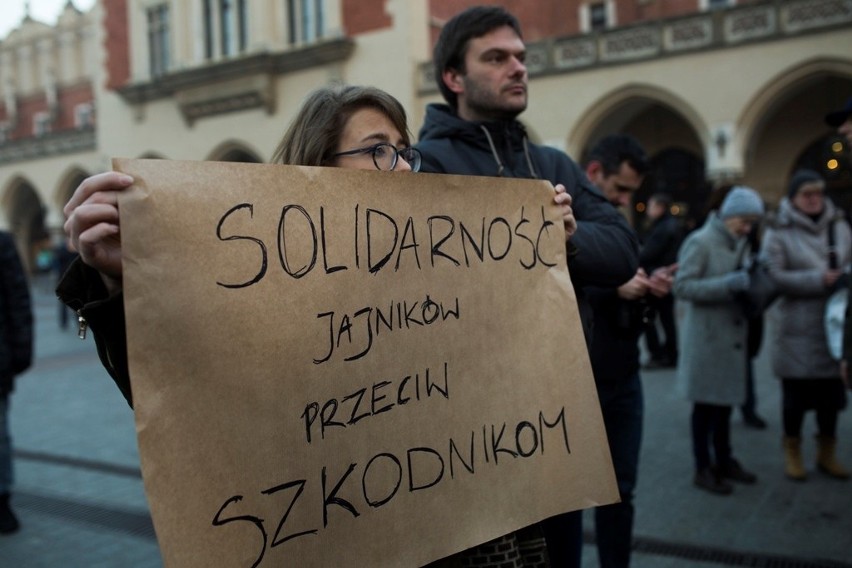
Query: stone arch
point(235, 151)
point(612, 111)
point(785, 117)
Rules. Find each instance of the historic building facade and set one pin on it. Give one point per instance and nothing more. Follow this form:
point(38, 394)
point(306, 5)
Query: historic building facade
point(717, 90)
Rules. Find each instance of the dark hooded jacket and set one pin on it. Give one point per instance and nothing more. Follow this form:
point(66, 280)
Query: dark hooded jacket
point(603, 252)
point(661, 244)
point(16, 317)
point(82, 290)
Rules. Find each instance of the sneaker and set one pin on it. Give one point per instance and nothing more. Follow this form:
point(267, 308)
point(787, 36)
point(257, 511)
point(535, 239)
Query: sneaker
point(708, 480)
point(735, 472)
point(8, 521)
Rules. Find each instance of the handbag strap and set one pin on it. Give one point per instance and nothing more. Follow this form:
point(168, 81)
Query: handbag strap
point(832, 247)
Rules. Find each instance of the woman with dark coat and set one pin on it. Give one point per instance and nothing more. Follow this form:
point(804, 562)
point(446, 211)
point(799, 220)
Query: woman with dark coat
point(16, 351)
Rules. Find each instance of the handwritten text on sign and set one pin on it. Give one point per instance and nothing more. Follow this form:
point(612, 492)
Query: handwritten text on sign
point(322, 359)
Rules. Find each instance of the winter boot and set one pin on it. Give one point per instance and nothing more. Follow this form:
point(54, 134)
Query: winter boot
point(827, 461)
point(8, 521)
point(793, 466)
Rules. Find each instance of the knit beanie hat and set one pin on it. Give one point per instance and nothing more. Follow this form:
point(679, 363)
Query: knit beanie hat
point(741, 201)
point(800, 178)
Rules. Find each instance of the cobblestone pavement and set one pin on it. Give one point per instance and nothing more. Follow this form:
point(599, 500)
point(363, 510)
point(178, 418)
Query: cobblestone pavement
point(81, 503)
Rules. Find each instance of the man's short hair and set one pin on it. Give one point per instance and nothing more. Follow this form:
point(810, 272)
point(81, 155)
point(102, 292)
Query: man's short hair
point(614, 149)
point(452, 44)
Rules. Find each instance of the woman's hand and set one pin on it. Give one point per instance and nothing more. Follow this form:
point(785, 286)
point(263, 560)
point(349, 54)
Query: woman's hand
point(93, 224)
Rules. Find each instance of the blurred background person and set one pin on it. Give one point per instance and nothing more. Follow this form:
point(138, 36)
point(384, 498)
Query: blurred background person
point(748, 409)
point(806, 246)
point(617, 165)
point(713, 364)
point(16, 351)
point(659, 252)
point(841, 119)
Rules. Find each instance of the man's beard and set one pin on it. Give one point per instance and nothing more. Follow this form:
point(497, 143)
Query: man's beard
point(486, 104)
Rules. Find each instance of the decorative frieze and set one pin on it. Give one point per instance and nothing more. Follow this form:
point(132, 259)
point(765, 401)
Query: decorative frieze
point(810, 14)
point(693, 33)
point(240, 94)
point(630, 44)
point(749, 24)
point(53, 144)
point(573, 53)
point(536, 61)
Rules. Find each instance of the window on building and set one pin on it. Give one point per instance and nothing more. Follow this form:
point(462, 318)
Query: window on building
point(225, 27)
point(84, 116)
point(305, 20)
point(41, 123)
point(597, 16)
point(158, 39)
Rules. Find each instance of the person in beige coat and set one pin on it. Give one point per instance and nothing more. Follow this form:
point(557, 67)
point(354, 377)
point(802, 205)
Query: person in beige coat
point(796, 246)
point(713, 336)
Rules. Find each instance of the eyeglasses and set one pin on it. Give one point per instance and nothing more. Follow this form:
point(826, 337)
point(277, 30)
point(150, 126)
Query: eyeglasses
point(809, 193)
point(386, 156)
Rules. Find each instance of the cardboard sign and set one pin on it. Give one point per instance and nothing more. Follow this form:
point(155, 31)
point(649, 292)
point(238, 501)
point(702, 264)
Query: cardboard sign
point(334, 367)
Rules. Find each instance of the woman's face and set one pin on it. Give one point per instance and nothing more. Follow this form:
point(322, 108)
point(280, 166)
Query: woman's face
point(368, 126)
point(810, 199)
point(740, 225)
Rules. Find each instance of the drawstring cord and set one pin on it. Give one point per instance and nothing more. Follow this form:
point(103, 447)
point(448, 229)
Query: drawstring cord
point(500, 167)
point(529, 158)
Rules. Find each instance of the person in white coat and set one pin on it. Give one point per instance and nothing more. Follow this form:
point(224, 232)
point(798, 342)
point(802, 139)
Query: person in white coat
point(713, 337)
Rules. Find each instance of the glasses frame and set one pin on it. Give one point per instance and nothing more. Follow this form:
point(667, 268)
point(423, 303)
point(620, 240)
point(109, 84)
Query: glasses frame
point(414, 162)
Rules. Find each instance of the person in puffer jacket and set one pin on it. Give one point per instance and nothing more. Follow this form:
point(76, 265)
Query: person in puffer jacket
point(807, 246)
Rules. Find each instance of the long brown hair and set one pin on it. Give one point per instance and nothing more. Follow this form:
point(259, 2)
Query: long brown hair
point(313, 136)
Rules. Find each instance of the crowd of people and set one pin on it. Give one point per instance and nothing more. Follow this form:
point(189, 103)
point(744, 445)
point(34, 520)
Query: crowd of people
point(625, 290)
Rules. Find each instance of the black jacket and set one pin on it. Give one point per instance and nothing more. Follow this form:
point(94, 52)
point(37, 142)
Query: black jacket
point(603, 251)
point(16, 316)
point(614, 350)
point(661, 244)
point(82, 290)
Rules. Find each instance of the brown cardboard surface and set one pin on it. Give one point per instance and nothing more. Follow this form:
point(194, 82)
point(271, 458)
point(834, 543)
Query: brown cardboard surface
point(334, 367)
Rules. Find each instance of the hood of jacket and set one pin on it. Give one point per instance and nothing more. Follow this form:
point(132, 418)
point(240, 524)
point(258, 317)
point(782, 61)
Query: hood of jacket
point(501, 147)
point(788, 216)
point(717, 226)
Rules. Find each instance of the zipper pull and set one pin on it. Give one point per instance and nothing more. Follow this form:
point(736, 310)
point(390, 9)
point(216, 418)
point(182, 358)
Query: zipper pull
point(82, 326)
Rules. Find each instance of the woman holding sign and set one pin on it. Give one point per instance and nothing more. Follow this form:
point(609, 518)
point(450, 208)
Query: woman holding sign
point(345, 126)
point(339, 126)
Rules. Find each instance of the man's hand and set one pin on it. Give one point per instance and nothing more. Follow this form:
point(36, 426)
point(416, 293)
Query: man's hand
point(563, 199)
point(830, 277)
point(661, 280)
point(93, 224)
point(634, 288)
